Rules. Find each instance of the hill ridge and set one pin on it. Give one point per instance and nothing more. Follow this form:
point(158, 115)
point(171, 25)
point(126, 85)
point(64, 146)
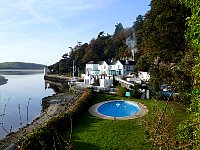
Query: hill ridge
point(21, 65)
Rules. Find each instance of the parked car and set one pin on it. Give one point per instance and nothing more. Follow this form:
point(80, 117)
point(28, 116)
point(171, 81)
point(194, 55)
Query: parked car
point(168, 92)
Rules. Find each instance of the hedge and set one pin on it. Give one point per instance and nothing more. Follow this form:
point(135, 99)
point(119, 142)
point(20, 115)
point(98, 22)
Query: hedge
point(48, 135)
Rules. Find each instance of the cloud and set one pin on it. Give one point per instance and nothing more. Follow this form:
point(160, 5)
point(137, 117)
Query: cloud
point(48, 27)
point(43, 8)
point(29, 12)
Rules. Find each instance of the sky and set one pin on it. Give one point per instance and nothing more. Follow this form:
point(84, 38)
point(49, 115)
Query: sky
point(41, 31)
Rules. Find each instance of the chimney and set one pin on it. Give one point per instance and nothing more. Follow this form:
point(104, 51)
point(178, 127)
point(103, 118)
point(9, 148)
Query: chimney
point(126, 62)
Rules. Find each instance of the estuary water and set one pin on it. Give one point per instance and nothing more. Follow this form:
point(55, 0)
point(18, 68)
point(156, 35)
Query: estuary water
point(21, 99)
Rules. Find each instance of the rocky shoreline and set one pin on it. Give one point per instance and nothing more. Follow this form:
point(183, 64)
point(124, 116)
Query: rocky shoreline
point(3, 80)
point(53, 105)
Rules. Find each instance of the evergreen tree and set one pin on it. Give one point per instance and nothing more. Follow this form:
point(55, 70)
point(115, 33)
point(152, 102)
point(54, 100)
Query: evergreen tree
point(164, 40)
point(139, 34)
point(118, 28)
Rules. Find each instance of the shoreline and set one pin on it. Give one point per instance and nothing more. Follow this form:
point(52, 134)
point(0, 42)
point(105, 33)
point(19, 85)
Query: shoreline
point(3, 80)
point(58, 104)
point(19, 72)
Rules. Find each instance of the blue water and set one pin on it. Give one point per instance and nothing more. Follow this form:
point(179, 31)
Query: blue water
point(17, 92)
point(118, 109)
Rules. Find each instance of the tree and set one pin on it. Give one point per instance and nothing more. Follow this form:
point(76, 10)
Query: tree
point(118, 28)
point(94, 51)
point(65, 56)
point(188, 134)
point(164, 40)
point(119, 40)
point(102, 48)
point(191, 134)
point(139, 34)
point(101, 34)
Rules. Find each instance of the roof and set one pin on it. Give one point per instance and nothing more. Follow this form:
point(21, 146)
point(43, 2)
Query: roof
point(112, 63)
point(123, 62)
point(128, 62)
point(96, 62)
point(91, 62)
point(100, 62)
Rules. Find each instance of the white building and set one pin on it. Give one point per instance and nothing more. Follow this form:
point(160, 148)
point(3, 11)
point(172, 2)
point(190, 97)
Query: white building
point(97, 69)
point(120, 67)
point(104, 67)
point(92, 68)
point(144, 76)
point(88, 79)
point(106, 83)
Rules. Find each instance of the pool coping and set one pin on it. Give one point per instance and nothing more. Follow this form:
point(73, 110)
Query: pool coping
point(143, 111)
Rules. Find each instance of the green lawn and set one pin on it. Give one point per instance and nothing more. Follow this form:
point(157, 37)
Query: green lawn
point(92, 133)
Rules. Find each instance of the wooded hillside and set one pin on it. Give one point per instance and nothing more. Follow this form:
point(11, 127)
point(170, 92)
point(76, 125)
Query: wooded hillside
point(21, 65)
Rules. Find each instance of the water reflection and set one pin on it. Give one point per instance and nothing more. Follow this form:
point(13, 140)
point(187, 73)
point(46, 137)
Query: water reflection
point(56, 86)
point(20, 72)
point(21, 91)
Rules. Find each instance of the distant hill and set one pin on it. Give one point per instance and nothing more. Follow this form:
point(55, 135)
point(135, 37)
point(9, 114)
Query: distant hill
point(21, 65)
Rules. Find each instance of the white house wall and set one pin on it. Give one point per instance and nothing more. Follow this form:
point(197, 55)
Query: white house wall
point(104, 68)
point(92, 69)
point(119, 67)
point(106, 82)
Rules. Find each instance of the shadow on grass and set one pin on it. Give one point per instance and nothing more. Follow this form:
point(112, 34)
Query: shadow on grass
point(84, 146)
point(91, 132)
point(84, 124)
point(95, 133)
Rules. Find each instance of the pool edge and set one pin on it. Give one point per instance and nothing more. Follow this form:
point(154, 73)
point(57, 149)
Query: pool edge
point(93, 111)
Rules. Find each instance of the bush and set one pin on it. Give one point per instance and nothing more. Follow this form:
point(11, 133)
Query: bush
point(48, 136)
point(135, 91)
point(185, 98)
point(121, 91)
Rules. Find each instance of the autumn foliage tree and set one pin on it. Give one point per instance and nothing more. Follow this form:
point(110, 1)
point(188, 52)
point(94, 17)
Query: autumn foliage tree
point(139, 34)
point(164, 41)
point(161, 131)
point(103, 47)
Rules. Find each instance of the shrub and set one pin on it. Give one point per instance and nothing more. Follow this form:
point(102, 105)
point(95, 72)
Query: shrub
point(135, 91)
point(185, 98)
point(48, 135)
point(121, 91)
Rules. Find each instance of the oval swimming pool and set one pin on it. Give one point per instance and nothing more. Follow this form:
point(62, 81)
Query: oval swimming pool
point(118, 109)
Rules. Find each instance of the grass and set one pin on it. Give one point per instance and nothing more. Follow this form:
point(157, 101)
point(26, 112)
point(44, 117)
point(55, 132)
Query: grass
point(91, 133)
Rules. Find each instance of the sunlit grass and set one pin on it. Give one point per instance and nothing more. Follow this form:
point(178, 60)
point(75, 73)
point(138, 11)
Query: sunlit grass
point(94, 133)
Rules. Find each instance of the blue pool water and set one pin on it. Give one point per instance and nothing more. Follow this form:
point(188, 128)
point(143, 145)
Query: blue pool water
point(118, 108)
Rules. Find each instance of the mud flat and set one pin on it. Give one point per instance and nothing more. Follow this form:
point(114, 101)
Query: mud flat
point(3, 80)
point(54, 105)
